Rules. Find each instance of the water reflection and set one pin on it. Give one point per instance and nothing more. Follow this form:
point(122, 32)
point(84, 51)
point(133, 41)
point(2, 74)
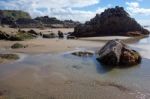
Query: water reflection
point(145, 40)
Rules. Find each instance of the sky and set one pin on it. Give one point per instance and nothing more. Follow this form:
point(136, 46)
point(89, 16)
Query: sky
point(78, 10)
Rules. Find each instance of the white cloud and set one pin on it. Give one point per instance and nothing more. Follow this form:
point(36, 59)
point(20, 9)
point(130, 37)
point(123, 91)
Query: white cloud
point(144, 21)
point(62, 9)
point(77, 15)
point(134, 8)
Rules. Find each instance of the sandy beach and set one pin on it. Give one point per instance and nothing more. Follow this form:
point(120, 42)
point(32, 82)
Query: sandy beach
point(46, 72)
point(74, 49)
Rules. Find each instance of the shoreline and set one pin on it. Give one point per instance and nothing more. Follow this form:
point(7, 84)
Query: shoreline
point(59, 77)
point(65, 80)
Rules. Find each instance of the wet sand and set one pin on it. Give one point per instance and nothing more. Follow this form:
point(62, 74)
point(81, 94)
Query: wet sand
point(46, 71)
point(46, 76)
point(44, 31)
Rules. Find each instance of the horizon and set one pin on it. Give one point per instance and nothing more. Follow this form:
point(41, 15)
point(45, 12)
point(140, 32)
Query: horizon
point(78, 10)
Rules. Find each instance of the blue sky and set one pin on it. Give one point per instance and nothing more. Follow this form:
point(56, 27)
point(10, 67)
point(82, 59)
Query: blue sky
point(79, 10)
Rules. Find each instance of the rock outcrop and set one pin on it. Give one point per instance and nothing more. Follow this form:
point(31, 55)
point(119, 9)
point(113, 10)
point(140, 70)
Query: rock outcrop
point(8, 17)
point(47, 21)
point(15, 14)
point(20, 19)
point(113, 21)
point(28, 23)
point(55, 23)
point(51, 35)
point(116, 53)
point(19, 36)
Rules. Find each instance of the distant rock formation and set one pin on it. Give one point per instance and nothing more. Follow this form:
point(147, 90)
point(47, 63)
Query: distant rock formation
point(21, 19)
point(27, 23)
point(7, 21)
point(9, 17)
point(47, 21)
point(16, 14)
point(113, 21)
point(116, 53)
point(55, 23)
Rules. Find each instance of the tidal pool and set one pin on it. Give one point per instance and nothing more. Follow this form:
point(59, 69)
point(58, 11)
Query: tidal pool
point(65, 76)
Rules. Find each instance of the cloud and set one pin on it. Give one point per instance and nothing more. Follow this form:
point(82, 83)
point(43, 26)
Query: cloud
point(62, 9)
point(144, 21)
point(134, 8)
point(77, 15)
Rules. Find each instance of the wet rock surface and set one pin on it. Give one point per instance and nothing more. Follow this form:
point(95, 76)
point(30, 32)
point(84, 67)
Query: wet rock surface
point(19, 36)
point(116, 53)
point(18, 45)
point(51, 35)
point(9, 56)
point(83, 53)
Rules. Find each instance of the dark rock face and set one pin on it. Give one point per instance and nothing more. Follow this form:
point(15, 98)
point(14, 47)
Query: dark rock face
point(15, 18)
point(48, 21)
point(116, 53)
point(70, 23)
point(55, 23)
point(28, 23)
point(60, 34)
point(33, 32)
point(7, 21)
point(113, 21)
point(51, 35)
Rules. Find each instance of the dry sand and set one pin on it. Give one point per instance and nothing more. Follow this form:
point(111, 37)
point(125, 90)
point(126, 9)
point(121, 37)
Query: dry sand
point(51, 30)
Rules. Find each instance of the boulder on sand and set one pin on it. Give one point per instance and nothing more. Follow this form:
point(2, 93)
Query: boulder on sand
point(116, 53)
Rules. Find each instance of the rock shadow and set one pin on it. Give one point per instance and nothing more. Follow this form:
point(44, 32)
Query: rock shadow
point(102, 69)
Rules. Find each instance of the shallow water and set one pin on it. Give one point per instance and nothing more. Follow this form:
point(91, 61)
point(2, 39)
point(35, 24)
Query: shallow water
point(49, 74)
point(145, 40)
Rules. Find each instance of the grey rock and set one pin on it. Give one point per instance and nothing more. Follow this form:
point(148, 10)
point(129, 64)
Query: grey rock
point(116, 53)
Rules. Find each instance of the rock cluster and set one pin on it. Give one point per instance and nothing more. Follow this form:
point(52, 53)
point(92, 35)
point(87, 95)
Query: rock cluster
point(113, 21)
point(23, 20)
point(116, 53)
point(27, 23)
point(19, 36)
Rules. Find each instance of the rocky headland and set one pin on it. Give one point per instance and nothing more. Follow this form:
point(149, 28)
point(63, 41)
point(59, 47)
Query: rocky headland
point(21, 19)
point(112, 22)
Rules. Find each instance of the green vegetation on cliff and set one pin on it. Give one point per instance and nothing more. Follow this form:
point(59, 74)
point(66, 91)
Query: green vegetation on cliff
point(16, 14)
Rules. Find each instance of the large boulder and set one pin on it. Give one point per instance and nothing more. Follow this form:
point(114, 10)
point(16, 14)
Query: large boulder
point(116, 53)
point(113, 21)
